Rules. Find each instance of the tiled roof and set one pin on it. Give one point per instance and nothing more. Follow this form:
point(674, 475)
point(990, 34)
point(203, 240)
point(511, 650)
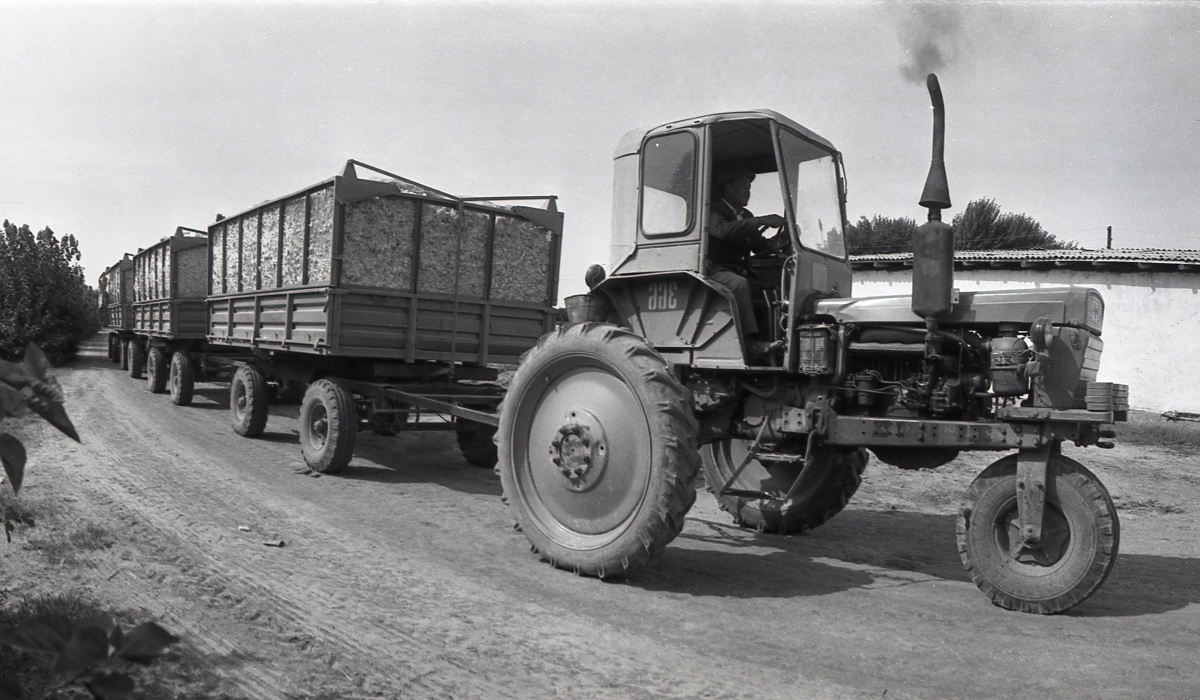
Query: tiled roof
point(1127, 259)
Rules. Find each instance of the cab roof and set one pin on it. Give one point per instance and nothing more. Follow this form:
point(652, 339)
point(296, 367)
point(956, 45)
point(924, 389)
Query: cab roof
point(632, 140)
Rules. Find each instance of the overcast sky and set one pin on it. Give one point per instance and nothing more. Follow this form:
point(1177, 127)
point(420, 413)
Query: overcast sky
point(119, 122)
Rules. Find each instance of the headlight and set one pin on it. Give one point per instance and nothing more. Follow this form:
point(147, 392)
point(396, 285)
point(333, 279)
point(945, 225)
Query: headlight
point(1095, 311)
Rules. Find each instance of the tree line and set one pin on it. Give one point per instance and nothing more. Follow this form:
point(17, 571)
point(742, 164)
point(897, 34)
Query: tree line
point(43, 297)
point(980, 226)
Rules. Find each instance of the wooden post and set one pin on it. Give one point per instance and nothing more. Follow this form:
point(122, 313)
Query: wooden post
point(1109, 246)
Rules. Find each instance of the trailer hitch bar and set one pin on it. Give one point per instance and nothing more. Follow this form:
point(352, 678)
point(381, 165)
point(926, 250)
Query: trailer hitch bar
point(383, 391)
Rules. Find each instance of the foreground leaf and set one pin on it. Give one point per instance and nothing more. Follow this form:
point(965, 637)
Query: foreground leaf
point(56, 415)
point(45, 634)
point(36, 363)
point(14, 374)
point(111, 686)
point(12, 401)
point(12, 454)
point(86, 647)
point(11, 690)
point(145, 642)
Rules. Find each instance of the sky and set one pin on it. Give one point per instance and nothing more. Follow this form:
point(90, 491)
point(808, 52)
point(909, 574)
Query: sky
point(121, 121)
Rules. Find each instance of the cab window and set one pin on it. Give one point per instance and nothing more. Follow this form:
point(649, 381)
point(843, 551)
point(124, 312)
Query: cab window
point(668, 184)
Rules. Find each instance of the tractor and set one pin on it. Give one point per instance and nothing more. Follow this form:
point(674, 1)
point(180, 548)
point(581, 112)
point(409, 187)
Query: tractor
point(608, 421)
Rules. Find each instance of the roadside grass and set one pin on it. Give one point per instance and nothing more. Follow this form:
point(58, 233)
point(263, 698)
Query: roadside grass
point(1150, 429)
point(40, 520)
point(43, 524)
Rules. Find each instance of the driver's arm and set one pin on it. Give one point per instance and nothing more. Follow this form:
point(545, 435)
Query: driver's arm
point(721, 227)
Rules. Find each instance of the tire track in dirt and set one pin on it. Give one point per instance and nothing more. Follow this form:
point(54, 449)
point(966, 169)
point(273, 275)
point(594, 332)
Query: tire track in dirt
point(434, 649)
point(157, 493)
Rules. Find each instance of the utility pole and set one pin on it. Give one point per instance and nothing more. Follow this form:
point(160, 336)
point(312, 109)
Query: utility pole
point(1109, 246)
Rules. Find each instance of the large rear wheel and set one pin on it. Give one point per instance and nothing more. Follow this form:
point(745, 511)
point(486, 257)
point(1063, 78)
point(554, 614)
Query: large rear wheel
point(249, 401)
point(328, 426)
point(826, 489)
point(1080, 538)
point(597, 450)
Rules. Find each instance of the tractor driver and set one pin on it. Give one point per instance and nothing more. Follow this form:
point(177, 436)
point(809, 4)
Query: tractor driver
point(733, 235)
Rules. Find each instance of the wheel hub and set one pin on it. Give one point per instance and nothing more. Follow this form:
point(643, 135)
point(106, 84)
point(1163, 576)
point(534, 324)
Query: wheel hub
point(1056, 534)
point(579, 451)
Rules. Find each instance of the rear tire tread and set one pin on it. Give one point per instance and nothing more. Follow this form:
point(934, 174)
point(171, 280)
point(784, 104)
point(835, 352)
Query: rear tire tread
point(670, 404)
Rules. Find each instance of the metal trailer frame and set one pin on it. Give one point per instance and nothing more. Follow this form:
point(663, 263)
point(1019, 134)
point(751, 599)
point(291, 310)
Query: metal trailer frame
point(291, 334)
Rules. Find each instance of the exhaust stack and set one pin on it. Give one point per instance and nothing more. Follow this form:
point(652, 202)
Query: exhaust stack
point(933, 242)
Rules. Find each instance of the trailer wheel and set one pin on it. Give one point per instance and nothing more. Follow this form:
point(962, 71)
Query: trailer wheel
point(1081, 536)
point(156, 370)
point(248, 401)
point(183, 379)
point(826, 489)
point(137, 358)
point(597, 450)
point(476, 441)
point(114, 348)
point(123, 349)
point(328, 426)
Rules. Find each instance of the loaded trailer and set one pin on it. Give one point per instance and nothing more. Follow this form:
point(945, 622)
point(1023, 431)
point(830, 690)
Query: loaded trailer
point(116, 316)
point(396, 305)
point(167, 338)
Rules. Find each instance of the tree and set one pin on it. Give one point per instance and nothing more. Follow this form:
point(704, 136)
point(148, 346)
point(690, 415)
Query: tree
point(43, 298)
point(880, 235)
point(980, 226)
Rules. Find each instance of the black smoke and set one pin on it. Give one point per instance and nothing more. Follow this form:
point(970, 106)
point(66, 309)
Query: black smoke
point(929, 34)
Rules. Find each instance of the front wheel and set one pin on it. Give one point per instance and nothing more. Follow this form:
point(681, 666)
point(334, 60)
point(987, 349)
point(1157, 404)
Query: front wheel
point(1080, 538)
point(597, 450)
point(827, 487)
point(328, 426)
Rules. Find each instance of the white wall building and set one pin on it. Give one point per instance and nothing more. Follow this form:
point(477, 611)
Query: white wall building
point(1152, 307)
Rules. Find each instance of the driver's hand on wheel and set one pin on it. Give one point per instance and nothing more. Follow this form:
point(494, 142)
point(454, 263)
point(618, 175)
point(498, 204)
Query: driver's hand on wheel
point(771, 221)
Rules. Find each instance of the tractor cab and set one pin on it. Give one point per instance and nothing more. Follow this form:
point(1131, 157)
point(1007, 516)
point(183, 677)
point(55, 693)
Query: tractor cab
point(662, 202)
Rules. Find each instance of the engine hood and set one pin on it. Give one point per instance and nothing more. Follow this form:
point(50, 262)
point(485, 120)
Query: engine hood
point(1067, 306)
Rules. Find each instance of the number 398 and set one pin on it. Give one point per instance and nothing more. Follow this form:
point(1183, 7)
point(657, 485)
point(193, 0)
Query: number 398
point(663, 296)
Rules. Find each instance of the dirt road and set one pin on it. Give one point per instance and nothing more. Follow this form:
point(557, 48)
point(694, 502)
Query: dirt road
point(402, 577)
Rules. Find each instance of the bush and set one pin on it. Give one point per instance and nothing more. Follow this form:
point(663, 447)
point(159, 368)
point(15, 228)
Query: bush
point(43, 298)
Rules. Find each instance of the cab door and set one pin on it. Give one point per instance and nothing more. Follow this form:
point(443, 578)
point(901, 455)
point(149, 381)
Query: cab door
point(670, 203)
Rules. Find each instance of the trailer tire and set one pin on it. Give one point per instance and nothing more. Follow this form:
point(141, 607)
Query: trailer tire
point(114, 348)
point(1081, 536)
point(328, 426)
point(123, 351)
point(477, 443)
point(157, 368)
point(835, 478)
point(137, 359)
point(249, 401)
point(597, 450)
point(182, 382)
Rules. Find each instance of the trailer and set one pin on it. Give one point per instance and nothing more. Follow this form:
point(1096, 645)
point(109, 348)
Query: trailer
point(393, 305)
point(167, 330)
point(116, 316)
